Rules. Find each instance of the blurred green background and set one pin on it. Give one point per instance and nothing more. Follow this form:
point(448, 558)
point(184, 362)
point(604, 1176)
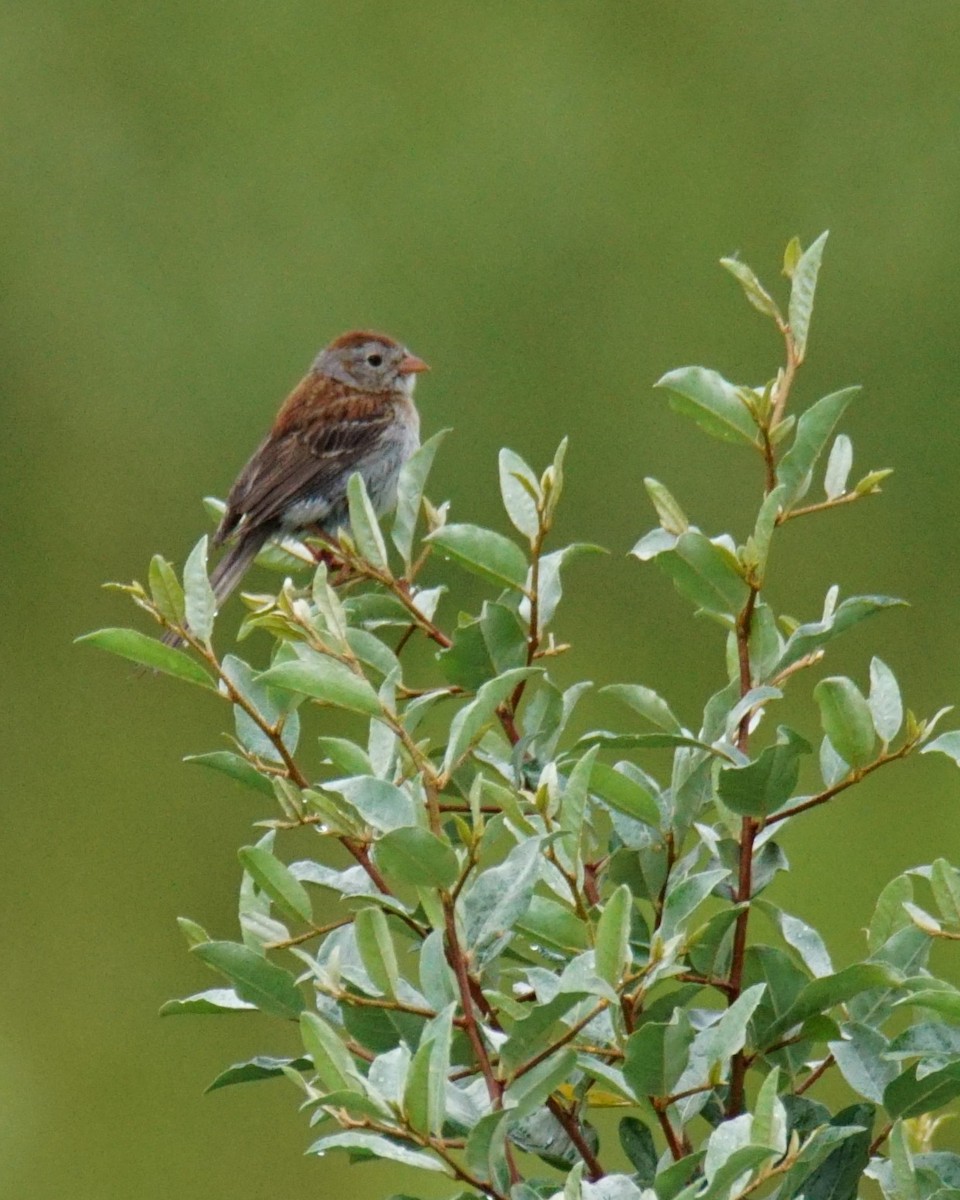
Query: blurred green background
point(195, 197)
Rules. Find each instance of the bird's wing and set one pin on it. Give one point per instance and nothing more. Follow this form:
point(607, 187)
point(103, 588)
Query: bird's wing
point(316, 442)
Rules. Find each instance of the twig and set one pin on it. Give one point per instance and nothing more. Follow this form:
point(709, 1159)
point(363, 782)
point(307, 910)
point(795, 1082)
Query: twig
point(673, 1141)
point(880, 1139)
point(748, 834)
point(829, 793)
point(562, 1041)
point(575, 1134)
point(312, 932)
point(822, 506)
point(812, 1078)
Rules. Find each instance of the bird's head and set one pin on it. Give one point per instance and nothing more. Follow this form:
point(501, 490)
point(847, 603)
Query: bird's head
point(370, 362)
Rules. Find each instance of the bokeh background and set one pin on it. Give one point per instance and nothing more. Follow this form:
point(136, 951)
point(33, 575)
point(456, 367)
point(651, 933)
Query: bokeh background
point(193, 198)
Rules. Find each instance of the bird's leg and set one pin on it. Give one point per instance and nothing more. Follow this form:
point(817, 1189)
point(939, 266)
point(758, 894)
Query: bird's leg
point(329, 554)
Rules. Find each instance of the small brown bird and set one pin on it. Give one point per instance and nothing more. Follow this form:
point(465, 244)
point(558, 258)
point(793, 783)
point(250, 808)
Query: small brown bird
point(353, 411)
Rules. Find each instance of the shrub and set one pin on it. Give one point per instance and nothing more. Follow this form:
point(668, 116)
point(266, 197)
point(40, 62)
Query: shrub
point(521, 928)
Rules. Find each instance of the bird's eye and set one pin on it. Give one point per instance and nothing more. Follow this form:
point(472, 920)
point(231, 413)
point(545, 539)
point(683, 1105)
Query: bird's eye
point(375, 360)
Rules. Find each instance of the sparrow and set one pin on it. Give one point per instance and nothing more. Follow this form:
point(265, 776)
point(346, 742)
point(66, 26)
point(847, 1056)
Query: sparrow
point(352, 412)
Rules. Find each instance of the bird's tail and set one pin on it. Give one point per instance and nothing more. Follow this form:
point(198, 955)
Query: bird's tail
point(228, 572)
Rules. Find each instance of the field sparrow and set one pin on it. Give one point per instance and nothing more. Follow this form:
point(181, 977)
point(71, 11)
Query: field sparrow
point(353, 411)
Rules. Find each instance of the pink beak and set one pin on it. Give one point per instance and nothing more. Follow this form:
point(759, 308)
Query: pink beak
point(411, 365)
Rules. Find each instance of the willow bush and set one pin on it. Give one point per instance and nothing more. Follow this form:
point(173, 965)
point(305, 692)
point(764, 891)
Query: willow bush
point(519, 927)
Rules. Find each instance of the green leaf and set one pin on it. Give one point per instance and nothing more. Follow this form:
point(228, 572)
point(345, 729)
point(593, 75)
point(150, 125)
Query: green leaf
point(711, 401)
point(377, 951)
point(838, 467)
point(927, 1039)
point(638, 1145)
point(803, 938)
point(860, 1057)
point(415, 855)
point(255, 1069)
point(684, 897)
point(869, 485)
point(646, 702)
point(802, 293)
point(326, 679)
point(468, 726)
point(364, 523)
point(846, 719)
point(424, 1095)
point(200, 602)
point(672, 517)
point(705, 573)
point(382, 805)
point(947, 743)
point(410, 485)
point(535, 1086)
point(345, 755)
point(272, 989)
point(550, 581)
point(825, 993)
point(718, 1043)
point(812, 636)
point(907, 1096)
point(657, 1056)
point(148, 652)
point(945, 884)
point(840, 1175)
point(886, 707)
point(791, 256)
point(166, 590)
point(272, 877)
point(762, 786)
point(754, 291)
point(490, 555)
point(503, 636)
point(499, 897)
point(520, 490)
point(814, 430)
point(613, 937)
point(624, 794)
point(376, 1145)
point(236, 767)
point(332, 1061)
point(215, 1000)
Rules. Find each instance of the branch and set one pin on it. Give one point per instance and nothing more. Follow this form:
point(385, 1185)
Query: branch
point(822, 506)
point(812, 1078)
point(829, 793)
point(575, 1134)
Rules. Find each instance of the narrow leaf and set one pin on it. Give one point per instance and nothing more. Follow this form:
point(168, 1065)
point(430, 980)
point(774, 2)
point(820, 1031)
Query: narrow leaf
point(200, 602)
point(814, 430)
point(838, 467)
point(326, 679)
point(274, 878)
point(613, 937)
point(410, 485)
point(415, 855)
point(364, 523)
point(754, 291)
point(802, 293)
point(846, 719)
point(520, 490)
point(886, 706)
point(487, 554)
point(711, 401)
point(166, 590)
point(272, 989)
point(148, 652)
